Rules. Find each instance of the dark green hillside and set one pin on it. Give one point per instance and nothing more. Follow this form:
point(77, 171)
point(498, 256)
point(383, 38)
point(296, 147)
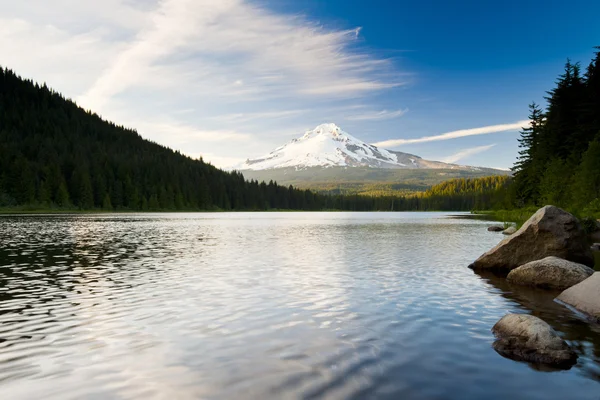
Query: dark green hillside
point(53, 154)
point(468, 194)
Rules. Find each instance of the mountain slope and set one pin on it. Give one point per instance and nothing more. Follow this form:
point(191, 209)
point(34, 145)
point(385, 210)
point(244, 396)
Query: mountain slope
point(366, 180)
point(54, 154)
point(329, 146)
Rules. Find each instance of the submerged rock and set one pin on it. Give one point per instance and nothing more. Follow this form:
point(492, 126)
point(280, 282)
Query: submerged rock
point(584, 296)
point(495, 228)
point(549, 232)
point(550, 273)
point(511, 230)
point(527, 338)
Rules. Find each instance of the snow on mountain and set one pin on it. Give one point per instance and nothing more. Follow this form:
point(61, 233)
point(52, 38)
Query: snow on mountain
point(329, 146)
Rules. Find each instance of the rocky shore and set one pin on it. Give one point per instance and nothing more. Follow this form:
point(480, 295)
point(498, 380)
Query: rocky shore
point(551, 251)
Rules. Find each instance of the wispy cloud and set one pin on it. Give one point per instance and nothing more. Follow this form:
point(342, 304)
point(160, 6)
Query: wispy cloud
point(454, 158)
point(378, 115)
point(221, 161)
point(252, 116)
point(485, 130)
point(181, 134)
point(238, 48)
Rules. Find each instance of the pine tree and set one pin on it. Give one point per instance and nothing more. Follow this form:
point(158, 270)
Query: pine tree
point(61, 197)
point(106, 204)
point(587, 179)
point(526, 170)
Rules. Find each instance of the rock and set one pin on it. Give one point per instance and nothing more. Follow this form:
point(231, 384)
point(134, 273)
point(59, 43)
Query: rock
point(495, 228)
point(549, 232)
point(584, 296)
point(511, 230)
point(527, 338)
point(550, 273)
point(595, 247)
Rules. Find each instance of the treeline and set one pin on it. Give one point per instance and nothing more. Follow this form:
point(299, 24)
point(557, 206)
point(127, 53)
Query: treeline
point(559, 161)
point(467, 194)
point(54, 154)
point(459, 194)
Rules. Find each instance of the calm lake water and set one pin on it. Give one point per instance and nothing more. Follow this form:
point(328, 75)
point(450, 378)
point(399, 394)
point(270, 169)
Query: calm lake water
point(266, 305)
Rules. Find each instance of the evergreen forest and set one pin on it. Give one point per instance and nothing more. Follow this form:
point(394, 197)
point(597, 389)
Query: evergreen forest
point(559, 161)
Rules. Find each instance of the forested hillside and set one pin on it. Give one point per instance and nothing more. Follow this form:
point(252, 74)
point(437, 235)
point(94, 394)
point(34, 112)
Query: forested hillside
point(468, 194)
point(56, 155)
point(559, 162)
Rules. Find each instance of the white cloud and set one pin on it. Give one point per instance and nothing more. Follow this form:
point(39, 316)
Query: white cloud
point(454, 158)
point(234, 48)
point(48, 54)
point(456, 134)
point(378, 115)
point(252, 116)
point(223, 162)
point(181, 136)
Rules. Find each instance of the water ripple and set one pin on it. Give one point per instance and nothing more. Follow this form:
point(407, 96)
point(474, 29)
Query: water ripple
point(266, 305)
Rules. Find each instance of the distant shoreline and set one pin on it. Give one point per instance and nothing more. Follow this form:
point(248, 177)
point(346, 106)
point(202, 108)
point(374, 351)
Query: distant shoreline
point(100, 212)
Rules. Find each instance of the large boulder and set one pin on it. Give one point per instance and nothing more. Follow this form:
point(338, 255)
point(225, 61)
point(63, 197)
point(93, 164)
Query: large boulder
point(550, 273)
point(511, 230)
point(549, 232)
point(527, 338)
point(584, 296)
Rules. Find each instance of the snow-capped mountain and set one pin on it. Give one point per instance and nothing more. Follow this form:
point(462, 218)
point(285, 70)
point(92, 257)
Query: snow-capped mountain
point(329, 146)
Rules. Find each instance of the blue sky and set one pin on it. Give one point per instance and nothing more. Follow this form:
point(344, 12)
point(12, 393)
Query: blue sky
point(233, 79)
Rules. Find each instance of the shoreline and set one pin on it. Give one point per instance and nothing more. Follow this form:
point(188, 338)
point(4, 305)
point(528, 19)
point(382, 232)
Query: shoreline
point(84, 212)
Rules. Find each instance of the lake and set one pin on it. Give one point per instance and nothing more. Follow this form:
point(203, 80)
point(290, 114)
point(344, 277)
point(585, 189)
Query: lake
point(267, 305)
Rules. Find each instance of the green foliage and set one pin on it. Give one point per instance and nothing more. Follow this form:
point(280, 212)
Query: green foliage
point(559, 161)
point(467, 194)
point(106, 204)
point(508, 217)
point(589, 224)
point(587, 178)
point(554, 186)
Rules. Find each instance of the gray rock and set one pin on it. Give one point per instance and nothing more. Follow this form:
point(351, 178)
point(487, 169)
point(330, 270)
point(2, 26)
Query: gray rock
point(584, 296)
point(495, 228)
point(511, 230)
point(527, 338)
point(595, 247)
point(550, 273)
point(549, 232)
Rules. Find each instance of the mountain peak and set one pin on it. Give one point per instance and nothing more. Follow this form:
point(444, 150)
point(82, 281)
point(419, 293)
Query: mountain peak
point(329, 146)
point(324, 129)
